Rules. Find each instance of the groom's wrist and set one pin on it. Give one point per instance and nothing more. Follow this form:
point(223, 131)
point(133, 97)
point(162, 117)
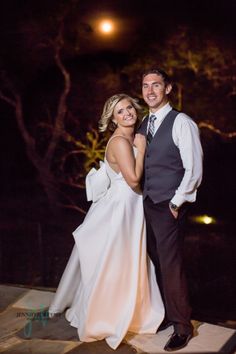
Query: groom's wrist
point(174, 206)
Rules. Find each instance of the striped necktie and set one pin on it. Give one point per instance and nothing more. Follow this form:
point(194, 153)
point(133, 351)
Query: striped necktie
point(151, 128)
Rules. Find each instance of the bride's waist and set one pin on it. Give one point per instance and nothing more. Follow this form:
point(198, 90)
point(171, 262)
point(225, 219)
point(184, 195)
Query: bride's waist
point(123, 185)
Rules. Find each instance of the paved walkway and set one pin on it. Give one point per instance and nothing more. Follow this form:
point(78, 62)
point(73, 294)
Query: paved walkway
point(24, 329)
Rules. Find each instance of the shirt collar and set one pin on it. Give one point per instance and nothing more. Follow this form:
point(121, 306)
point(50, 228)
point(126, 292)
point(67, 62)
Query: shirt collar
point(162, 112)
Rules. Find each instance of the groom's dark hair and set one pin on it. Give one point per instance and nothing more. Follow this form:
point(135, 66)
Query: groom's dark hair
point(159, 72)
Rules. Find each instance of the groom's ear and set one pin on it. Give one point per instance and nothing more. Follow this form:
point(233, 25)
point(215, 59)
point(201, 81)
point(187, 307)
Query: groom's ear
point(168, 89)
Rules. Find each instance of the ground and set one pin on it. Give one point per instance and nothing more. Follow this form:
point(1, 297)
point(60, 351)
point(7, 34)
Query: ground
point(25, 329)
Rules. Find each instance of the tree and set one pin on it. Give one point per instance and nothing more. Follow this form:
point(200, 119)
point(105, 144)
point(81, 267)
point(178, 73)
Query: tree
point(41, 46)
point(201, 74)
point(42, 162)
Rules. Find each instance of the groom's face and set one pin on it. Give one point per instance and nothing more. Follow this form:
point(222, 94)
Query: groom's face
point(155, 91)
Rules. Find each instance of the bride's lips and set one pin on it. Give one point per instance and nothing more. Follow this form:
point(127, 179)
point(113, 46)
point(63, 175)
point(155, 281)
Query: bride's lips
point(129, 118)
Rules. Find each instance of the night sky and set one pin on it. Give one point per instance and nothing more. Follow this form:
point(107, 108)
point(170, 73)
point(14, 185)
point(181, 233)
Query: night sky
point(135, 19)
point(25, 25)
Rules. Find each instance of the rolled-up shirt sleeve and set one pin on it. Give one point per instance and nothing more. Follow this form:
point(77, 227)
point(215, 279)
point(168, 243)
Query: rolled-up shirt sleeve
point(186, 137)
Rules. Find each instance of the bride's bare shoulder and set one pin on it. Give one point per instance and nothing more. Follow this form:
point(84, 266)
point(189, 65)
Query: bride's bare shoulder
point(118, 141)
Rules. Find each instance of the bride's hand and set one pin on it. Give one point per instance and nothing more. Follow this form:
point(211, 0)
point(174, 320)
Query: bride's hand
point(140, 142)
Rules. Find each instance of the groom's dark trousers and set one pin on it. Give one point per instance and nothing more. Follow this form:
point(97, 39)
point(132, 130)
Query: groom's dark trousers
point(165, 247)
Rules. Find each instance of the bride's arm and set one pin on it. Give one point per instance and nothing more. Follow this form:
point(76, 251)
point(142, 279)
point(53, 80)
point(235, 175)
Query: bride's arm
point(122, 154)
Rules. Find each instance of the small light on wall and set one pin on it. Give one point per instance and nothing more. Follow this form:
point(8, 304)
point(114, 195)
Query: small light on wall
point(203, 219)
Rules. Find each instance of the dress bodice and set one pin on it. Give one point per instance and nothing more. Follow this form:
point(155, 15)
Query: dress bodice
point(99, 182)
point(113, 175)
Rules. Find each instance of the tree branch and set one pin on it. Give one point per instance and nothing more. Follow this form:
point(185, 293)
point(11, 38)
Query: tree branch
point(7, 99)
point(216, 130)
point(62, 107)
point(17, 105)
point(71, 206)
point(29, 140)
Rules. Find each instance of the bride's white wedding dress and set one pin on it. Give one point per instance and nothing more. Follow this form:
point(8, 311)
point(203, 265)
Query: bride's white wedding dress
point(109, 285)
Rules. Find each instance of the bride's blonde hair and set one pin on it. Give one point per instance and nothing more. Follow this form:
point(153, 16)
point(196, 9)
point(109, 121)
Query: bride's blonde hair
point(105, 121)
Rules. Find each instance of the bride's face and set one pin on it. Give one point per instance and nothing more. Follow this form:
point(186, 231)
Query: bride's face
point(124, 113)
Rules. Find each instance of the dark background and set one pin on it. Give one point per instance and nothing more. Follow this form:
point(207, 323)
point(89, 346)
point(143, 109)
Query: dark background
point(36, 235)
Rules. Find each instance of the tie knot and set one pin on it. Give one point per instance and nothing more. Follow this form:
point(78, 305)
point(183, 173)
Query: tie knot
point(152, 118)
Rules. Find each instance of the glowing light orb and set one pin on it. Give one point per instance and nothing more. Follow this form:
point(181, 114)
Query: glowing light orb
point(203, 219)
point(106, 27)
point(207, 219)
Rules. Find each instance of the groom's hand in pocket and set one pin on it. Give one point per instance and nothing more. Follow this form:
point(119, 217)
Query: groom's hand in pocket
point(175, 213)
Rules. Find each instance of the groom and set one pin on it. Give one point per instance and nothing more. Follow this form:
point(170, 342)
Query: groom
point(173, 171)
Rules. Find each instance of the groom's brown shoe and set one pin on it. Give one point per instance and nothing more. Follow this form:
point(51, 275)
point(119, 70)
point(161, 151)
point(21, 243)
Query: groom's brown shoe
point(177, 341)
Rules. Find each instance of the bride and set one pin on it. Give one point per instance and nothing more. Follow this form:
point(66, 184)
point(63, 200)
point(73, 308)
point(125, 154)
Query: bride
point(108, 287)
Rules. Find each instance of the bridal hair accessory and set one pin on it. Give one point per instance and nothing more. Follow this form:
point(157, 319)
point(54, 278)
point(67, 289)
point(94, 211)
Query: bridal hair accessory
point(97, 183)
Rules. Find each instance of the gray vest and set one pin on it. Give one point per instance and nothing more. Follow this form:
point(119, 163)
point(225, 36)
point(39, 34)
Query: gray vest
point(163, 165)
